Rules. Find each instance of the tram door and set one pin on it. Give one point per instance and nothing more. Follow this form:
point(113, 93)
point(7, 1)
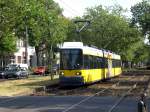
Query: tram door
point(109, 68)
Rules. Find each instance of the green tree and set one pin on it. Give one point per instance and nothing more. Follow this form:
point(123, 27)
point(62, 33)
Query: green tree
point(111, 31)
point(141, 20)
point(44, 22)
point(7, 22)
point(141, 16)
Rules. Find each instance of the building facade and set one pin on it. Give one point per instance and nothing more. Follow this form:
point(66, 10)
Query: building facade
point(19, 56)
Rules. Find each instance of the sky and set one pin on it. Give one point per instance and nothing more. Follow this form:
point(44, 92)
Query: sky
point(73, 8)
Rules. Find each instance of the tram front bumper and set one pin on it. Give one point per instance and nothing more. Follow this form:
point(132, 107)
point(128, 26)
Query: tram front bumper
point(71, 81)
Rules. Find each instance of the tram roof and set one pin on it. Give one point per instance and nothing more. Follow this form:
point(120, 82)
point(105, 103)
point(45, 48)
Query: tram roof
point(90, 50)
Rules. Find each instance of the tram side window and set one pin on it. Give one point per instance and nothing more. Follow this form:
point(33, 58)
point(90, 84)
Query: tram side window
point(91, 62)
point(116, 63)
point(95, 62)
point(113, 63)
point(100, 62)
point(86, 62)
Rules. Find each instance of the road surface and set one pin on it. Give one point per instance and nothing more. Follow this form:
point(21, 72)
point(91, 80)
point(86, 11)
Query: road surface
point(62, 103)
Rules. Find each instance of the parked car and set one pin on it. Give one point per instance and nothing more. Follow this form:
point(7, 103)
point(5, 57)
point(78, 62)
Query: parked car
point(40, 70)
point(17, 65)
point(2, 69)
point(16, 72)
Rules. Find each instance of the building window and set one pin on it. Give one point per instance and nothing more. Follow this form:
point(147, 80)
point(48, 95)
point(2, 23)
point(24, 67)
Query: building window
point(19, 59)
point(12, 59)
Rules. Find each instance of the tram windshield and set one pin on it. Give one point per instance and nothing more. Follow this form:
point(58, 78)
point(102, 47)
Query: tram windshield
point(71, 59)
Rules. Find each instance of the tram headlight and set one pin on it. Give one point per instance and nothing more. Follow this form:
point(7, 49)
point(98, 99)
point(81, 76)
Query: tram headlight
point(61, 73)
point(78, 73)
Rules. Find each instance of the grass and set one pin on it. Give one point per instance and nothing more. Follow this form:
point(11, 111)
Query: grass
point(24, 86)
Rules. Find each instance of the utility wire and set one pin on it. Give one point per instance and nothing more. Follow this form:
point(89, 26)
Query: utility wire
point(70, 8)
point(75, 11)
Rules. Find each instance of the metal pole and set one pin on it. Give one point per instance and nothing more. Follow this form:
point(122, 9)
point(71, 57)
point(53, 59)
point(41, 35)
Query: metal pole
point(51, 57)
point(26, 46)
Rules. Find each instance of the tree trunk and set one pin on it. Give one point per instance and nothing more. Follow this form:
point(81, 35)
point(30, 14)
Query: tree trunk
point(37, 55)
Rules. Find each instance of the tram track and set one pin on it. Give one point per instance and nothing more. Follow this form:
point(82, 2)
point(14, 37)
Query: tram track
point(124, 84)
point(121, 97)
point(125, 95)
point(86, 99)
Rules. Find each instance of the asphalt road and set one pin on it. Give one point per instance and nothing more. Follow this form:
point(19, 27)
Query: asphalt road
point(62, 103)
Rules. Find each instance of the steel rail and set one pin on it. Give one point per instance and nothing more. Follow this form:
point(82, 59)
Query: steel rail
point(121, 98)
point(124, 95)
point(76, 104)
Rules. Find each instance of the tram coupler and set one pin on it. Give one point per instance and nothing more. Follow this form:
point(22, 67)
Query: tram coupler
point(142, 107)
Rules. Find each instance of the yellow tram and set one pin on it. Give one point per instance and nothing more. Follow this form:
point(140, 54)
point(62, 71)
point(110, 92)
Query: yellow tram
point(81, 64)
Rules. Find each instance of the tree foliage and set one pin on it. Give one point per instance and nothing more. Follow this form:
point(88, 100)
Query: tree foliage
point(141, 16)
point(42, 19)
point(7, 22)
point(109, 30)
point(141, 20)
point(46, 27)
